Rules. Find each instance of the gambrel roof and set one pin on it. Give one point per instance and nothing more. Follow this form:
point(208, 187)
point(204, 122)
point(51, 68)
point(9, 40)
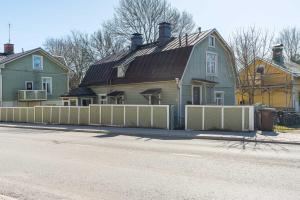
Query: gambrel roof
point(148, 63)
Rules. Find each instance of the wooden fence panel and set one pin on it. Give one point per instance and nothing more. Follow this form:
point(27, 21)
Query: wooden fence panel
point(84, 115)
point(131, 116)
point(74, 115)
point(23, 115)
point(106, 115)
point(64, 115)
point(30, 118)
point(148, 116)
point(118, 116)
point(232, 118)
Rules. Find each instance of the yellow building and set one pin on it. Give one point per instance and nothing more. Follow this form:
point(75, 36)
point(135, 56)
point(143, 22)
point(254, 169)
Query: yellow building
point(275, 83)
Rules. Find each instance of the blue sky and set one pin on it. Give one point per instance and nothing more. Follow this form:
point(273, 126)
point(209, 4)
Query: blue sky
point(34, 20)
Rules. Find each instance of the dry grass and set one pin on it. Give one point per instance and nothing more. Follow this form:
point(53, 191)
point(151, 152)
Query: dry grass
point(282, 129)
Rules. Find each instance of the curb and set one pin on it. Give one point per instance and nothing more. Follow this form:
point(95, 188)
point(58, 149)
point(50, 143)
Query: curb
point(205, 137)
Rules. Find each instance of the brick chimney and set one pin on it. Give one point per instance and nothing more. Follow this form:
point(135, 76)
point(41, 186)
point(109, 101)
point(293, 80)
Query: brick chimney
point(165, 34)
point(278, 54)
point(136, 41)
point(9, 49)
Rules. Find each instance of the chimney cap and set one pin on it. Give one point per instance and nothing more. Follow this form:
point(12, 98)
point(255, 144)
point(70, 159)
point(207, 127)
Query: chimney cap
point(164, 23)
point(136, 34)
point(278, 46)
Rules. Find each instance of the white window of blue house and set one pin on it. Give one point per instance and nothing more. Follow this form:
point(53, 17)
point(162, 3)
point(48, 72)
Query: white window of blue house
point(47, 84)
point(211, 41)
point(219, 97)
point(211, 63)
point(37, 62)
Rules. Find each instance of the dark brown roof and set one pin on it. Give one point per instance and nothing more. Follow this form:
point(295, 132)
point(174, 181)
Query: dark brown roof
point(115, 93)
point(152, 91)
point(80, 92)
point(148, 63)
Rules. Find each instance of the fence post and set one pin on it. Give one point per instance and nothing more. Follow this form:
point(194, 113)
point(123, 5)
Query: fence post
point(251, 118)
point(100, 113)
point(111, 115)
point(34, 115)
point(168, 117)
point(222, 118)
point(243, 118)
point(186, 117)
point(137, 116)
point(151, 116)
point(78, 119)
point(124, 116)
point(5, 114)
point(69, 113)
point(203, 120)
point(42, 115)
point(27, 115)
point(59, 114)
point(13, 113)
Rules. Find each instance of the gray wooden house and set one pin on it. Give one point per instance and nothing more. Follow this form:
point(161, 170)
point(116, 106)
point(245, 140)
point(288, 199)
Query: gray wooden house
point(197, 68)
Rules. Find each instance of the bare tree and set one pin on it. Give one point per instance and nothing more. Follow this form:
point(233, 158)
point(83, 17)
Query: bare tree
point(76, 50)
point(290, 38)
point(250, 44)
point(143, 16)
point(103, 44)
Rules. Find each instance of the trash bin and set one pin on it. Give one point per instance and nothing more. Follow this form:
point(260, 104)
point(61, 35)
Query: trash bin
point(267, 119)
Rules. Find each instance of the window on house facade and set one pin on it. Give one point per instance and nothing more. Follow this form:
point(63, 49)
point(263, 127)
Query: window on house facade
point(211, 41)
point(47, 84)
point(196, 95)
point(154, 99)
point(37, 62)
point(66, 102)
point(119, 99)
point(211, 63)
point(28, 85)
point(73, 102)
point(86, 101)
point(102, 99)
point(121, 72)
point(219, 97)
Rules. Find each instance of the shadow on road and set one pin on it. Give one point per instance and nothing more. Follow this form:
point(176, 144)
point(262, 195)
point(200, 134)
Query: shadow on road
point(255, 146)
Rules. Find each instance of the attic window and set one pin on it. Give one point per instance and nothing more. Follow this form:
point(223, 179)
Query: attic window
point(121, 72)
point(260, 69)
point(37, 62)
point(211, 41)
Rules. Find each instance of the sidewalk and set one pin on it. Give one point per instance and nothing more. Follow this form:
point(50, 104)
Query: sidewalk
point(264, 137)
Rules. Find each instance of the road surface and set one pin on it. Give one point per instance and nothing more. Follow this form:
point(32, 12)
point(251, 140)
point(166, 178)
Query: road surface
point(46, 165)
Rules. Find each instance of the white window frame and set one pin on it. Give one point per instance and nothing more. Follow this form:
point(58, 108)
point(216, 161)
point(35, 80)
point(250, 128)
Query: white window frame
point(121, 72)
point(42, 62)
point(100, 99)
point(28, 82)
point(92, 100)
point(68, 101)
point(51, 84)
point(201, 90)
point(123, 98)
point(150, 102)
point(223, 97)
point(216, 65)
point(212, 38)
point(73, 100)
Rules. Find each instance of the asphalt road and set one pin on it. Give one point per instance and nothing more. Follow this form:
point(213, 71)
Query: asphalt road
point(37, 164)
